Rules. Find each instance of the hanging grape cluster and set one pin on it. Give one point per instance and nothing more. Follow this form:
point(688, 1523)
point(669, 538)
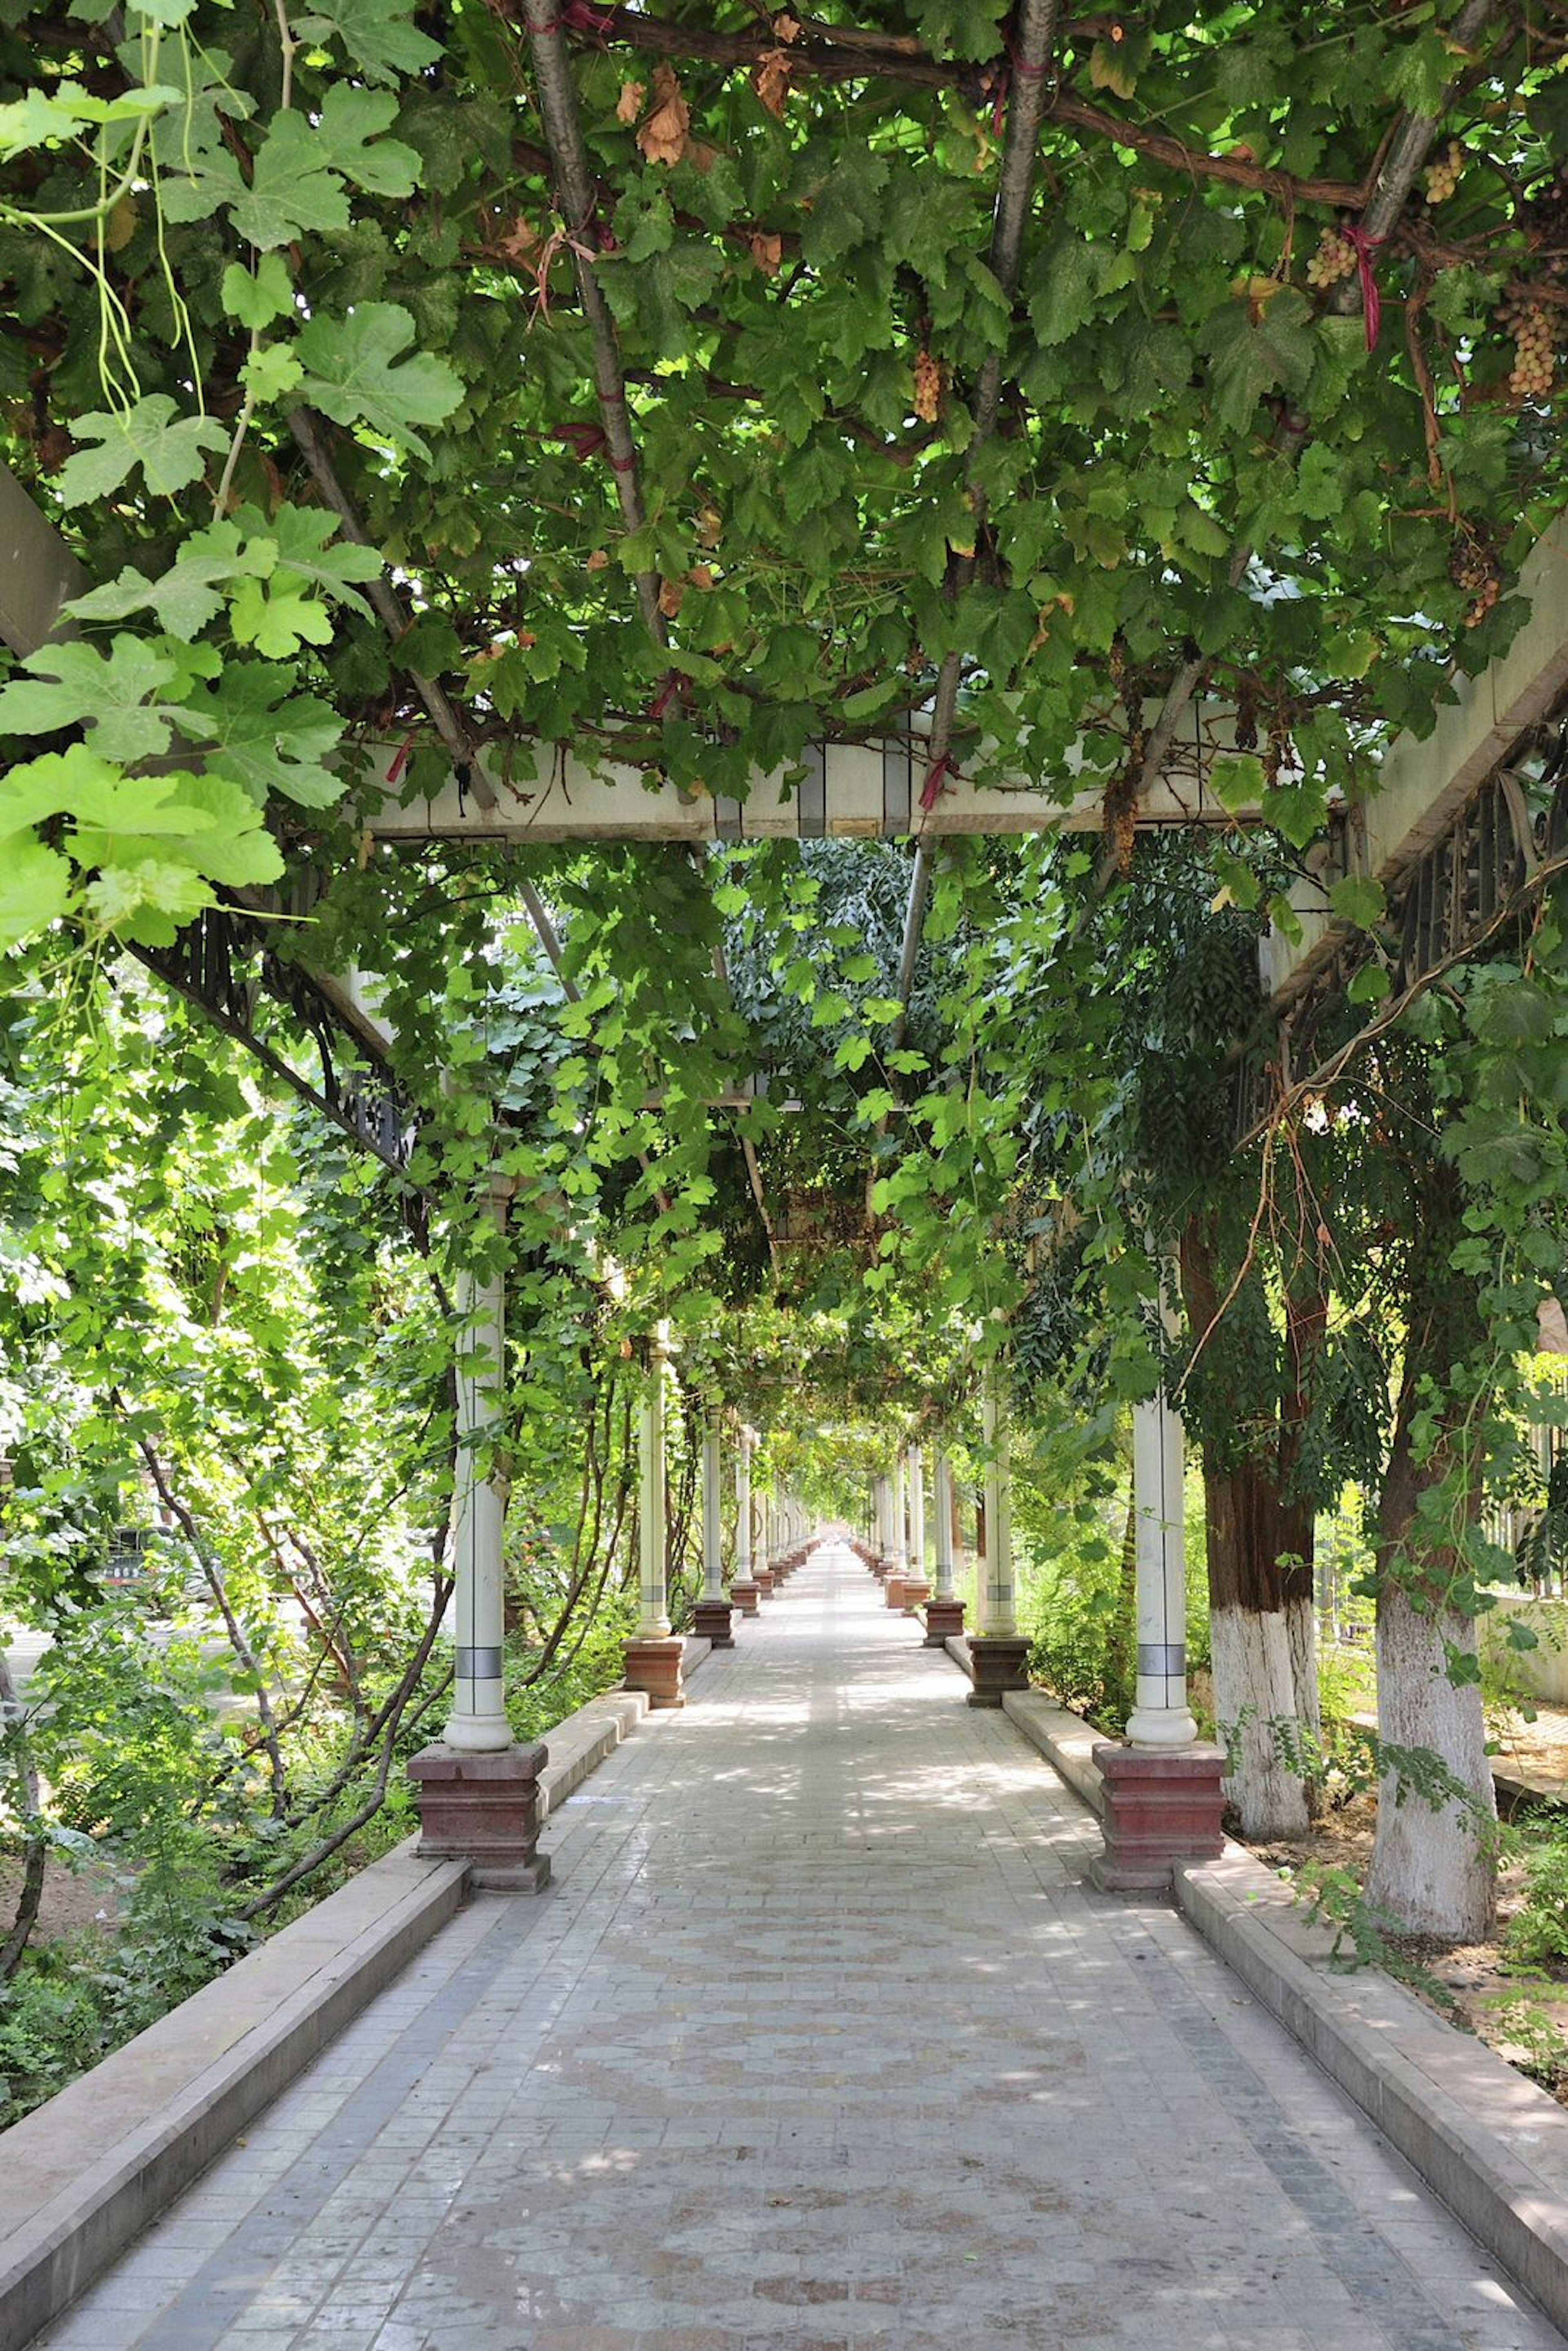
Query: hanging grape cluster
point(1473, 567)
point(1443, 175)
point(1335, 259)
point(1534, 352)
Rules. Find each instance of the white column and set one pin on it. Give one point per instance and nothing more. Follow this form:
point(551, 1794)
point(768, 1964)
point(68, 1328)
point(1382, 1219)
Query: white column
point(713, 1548)
point(654, 1621)
point(897, 1545)
point(743, 1510)
point(478, 1723)
point(943, 1505)
point(916, 1514)
point(1161, 1717)
point(996, 1582)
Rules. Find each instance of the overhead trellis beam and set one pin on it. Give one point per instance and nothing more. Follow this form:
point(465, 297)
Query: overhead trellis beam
point(1025, 111)
point(1407, 151)
point(575, 201)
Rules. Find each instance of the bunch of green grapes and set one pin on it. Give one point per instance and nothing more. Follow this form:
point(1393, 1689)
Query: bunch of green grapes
point(1443, 176)
point(1335, 259)
point(1535, 346)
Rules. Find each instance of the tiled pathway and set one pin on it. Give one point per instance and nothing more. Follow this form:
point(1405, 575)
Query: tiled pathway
point(817, 2042)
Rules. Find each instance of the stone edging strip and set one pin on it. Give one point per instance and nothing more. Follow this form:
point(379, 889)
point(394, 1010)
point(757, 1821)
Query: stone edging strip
point(1491, 2144)
point(87, 2171)
point(91, 2169)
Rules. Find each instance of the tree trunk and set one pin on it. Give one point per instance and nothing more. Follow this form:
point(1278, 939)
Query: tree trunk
point(1262, 1634)
point(1431, 1866)
point(1256, 1606)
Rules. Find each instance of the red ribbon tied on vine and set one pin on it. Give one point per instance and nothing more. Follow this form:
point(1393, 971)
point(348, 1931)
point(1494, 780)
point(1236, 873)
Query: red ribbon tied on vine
point(931, 790)
point(1364, 247)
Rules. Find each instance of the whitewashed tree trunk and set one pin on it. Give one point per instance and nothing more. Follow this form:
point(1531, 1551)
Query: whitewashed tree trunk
point(1255, 1686)
point(1301, 1632)
point(1430, 1868)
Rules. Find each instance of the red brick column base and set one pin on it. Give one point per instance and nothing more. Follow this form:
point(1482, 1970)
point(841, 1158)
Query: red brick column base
point(892, 1588)
point(916, 1592)
point(714, 1622)
point(746, 1596)
point(1162, 1806)
point(1000, 1663)
point(484, 1809)
point(763, 1578)
point(944, 1621)
point(654, 1666)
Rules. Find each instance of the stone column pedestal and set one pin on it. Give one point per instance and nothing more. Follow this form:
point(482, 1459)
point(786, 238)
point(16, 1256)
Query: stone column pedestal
point(944, 1622)
point(484, 1808)
point(744, 1593)
point(892, 1588)
point(1162, 1806)
point(916, 1592)
point(763, 1578)
point(713, 1622)
point(654, 1666)
point(999, 1660)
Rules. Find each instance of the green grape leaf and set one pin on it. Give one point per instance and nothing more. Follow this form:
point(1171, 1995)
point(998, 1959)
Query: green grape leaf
point(280, 615)
point(1235, 780)
point(291, 190)
point(376, 35)
point(38, 119)
point(255, 297)
point(93, 791)
point(300, 535)
point(356, 374)
point(1359, 899)
point(264, 739)
point(167, 448)
point(147, 902)
point(349, 121)
point(187, 596)
point(223, 838)
point(35, 888)
point(113, 694)
point(272, 373)
point(1253, 356)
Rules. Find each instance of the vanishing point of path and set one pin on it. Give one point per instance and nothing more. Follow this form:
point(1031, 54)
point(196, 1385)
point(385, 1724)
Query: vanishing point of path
point(817, 2041)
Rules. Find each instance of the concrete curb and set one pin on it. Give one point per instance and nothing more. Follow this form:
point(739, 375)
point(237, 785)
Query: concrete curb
point(1064, 1740)
point(1491, 2144)
point(85, 2172)
point(162, 2107)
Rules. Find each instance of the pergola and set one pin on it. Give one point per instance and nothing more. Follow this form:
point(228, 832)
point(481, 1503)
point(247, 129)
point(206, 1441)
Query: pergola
point(902, 430)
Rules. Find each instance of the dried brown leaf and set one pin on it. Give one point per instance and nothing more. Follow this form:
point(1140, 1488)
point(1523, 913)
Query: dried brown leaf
point(629, 105)
point(700, 576)
point(598, 561)
point(664, 136)
point(767, 251)
point(786, 27)
point(672, 593)
point(770, 79)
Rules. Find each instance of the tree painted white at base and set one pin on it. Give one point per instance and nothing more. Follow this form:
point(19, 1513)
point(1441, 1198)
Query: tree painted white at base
point(1255, 1686)
point(1429, 1868)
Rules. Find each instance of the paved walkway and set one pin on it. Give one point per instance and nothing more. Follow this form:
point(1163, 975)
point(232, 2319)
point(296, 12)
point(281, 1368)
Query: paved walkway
point(817, 2042)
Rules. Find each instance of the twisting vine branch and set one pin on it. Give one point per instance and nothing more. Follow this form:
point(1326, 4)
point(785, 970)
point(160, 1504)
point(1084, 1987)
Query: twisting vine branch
point(575, 199)
point(1025, 111)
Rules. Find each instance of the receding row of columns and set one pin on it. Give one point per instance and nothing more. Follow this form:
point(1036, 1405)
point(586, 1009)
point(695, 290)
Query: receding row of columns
point(479, 1787)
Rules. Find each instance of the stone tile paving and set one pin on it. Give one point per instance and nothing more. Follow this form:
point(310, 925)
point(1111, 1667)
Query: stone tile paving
point(817, 2044)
